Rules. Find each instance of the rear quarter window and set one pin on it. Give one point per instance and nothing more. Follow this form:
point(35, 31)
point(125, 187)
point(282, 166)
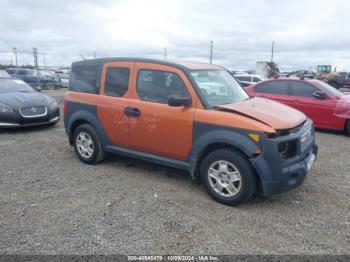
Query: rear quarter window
point(84, 79)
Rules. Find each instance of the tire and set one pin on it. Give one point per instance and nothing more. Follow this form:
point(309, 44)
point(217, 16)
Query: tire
point(235, 161)
point(90, 152)
point(347, 127)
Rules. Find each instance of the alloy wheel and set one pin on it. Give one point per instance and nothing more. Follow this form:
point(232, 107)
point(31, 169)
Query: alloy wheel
point(224, 178)
point(85, 145)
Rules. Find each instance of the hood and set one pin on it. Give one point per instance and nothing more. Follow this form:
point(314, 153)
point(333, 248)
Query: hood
point(25, 99)
point(271, 113)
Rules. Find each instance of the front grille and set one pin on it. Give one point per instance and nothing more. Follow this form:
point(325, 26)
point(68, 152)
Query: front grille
point(34, 111)
point(304, 136)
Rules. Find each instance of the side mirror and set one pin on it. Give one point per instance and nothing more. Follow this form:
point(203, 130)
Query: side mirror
point(319, 95)
point(179, 101)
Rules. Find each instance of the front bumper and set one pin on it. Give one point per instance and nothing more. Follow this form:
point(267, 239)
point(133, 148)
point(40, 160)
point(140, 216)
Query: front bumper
point(278, 174)
point(15, 120)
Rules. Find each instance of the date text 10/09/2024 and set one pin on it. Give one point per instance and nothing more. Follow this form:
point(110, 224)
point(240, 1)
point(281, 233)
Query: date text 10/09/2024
point(173, 258)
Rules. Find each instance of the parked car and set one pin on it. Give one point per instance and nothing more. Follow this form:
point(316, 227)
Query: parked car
point(63, 78)
point(188, 115)
point(325, 105)
point(305, 74)
point(247, 80)
point(35, 78)
point(342, 79)
point(50, 79)
point(21, 105)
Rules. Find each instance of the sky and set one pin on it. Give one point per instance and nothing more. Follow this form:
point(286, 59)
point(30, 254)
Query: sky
point(306, 32)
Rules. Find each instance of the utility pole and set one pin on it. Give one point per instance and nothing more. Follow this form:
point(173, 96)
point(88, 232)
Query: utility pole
point(94, 54)
point(15, 53)
point(211, 52)
point(164, 53)
point(272, 50)
point(35, 54)
point(44, 61)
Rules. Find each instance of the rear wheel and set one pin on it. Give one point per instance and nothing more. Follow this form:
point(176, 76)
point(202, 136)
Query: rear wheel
point(228, 177)
point(87, 144)
point(347, 128)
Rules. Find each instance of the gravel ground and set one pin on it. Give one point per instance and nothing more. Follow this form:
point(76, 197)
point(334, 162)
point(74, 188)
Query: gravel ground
point(51, 203)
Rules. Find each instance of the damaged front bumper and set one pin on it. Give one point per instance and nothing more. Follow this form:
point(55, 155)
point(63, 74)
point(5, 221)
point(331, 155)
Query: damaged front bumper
point(279, 173)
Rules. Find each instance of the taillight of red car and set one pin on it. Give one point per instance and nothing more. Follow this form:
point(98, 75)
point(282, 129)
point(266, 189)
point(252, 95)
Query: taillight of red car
point(65, 108)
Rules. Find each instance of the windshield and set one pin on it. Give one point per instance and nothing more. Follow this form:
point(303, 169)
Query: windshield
point(4, 74)
point(218, 87)
point(14, 85)
point(328, 88)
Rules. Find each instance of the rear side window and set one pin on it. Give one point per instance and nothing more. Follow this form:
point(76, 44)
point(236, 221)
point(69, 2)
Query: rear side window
point(302, 89)
point(273, 87)
point(117, 81)
point(157, 86)
point(84, 79)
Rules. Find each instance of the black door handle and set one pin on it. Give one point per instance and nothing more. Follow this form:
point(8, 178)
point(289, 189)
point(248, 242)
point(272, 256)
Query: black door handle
point(132, 112)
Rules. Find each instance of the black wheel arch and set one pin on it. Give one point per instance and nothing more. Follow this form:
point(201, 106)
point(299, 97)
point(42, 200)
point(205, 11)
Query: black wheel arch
point(83, 117)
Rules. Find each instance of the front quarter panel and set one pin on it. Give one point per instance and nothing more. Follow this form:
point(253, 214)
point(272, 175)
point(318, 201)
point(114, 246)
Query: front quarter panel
point(213, 127)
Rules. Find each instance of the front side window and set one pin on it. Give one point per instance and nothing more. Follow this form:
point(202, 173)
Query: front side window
point(157, 86)
point(117, 81)
point(302, 89)
point(328, 88)
point(218, 87)
point(273, 87)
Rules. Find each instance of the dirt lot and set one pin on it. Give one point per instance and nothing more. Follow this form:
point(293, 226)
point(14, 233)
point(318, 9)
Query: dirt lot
point(51, 203)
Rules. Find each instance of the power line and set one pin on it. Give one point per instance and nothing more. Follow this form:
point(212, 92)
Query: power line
point(83, 57)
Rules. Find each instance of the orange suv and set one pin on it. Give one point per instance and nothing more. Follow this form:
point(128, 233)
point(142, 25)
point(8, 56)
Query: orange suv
point(188, 115)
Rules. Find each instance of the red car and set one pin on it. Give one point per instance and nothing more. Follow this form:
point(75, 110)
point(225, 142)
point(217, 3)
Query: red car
point(325, 105)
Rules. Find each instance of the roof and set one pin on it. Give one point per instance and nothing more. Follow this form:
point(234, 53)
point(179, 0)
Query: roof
point(291, 78)
point(183, 64)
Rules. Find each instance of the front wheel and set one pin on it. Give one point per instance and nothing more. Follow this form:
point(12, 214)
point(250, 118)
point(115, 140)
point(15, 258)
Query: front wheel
point(228, 177)
point(87, 144)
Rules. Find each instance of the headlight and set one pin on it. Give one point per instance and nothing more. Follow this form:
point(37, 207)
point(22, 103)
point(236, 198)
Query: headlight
point(53, 105)
point(5, 109)
point(287, 149)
